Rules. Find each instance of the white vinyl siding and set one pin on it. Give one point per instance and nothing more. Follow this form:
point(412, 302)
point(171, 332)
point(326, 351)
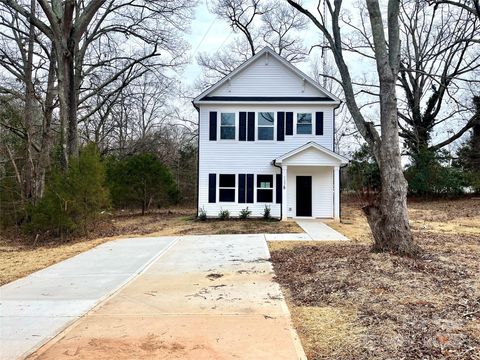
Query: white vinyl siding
point(266, 79)
point(252, 157)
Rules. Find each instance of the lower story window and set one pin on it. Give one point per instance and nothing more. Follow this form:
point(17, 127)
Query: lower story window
point(265, 188)
point(226, 188)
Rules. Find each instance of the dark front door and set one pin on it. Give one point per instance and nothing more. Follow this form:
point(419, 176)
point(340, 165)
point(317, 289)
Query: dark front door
point(304, 196)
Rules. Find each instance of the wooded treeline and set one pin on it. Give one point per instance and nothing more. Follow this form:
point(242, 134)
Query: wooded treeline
point(103, 72)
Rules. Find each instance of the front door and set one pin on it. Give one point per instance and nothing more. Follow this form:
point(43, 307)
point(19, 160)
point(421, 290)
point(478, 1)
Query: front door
point(304, 196)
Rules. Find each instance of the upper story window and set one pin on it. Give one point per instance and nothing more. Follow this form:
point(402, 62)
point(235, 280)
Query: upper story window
point(264, 188)
point(227, 126)
point(304, 123)
point(265, 125)
point(226, 188)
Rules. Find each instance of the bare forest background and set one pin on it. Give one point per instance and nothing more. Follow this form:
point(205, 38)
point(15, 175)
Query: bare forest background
point(96, 113)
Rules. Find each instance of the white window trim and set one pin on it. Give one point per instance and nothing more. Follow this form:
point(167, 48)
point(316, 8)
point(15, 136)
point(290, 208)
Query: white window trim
point(312, 133)
point(235, 201)
point(219, 126)
point(257, 117)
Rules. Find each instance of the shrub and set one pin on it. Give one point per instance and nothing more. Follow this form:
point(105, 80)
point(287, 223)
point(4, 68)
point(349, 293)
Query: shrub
point(430, 174)
point(245, 213)
point(363, 172)
point(73, 197)
point(140, 181)
point(224, 215)
point(202, 214)
point(267, 213)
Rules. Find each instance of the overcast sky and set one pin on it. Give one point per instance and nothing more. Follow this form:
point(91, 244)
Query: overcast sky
point(208, 34)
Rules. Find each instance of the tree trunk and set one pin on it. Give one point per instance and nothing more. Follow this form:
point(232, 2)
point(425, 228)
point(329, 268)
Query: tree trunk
point(29, 169)
point(46, 142)
point(388, 219)
point(67, 96)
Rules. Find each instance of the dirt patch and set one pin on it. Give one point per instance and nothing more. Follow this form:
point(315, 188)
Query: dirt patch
point(349, 303)
point(18, 257)
point(147, 347)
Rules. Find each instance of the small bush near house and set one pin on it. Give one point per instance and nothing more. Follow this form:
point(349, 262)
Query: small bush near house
point(245, 213)
point(73, 198)
point(267, 215)
point(224, 215)
point(202, 214)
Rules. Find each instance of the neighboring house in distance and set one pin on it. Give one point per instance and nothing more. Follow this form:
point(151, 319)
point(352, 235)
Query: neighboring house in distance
point(266, 138)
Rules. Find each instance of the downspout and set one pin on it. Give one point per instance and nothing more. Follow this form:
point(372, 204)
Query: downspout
point(198, 159)
point(340, 171)
point(274, 163)
point(340, 193)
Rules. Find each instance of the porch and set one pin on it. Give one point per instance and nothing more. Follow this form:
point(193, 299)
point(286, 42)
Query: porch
point(310, 182)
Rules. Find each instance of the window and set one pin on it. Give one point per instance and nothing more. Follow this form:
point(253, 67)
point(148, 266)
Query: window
point(265, 188)
point(227, 126)
point(265, 125)
point(227, 188)
point(304, 123)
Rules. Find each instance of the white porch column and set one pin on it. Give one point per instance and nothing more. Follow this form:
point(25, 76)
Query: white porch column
point(284, 192)
point(336, 192)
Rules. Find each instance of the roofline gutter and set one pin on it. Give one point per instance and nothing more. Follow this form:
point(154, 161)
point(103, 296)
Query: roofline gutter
point(274, 163)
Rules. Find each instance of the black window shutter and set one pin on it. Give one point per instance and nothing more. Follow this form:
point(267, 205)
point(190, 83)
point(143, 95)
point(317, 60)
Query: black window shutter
point(242, 126)
point(212, 188)
point(241, 188)
point(289, 124)
point(213, 126)
point(251, 126)
point(280, 126)
point(250, 188)
point(319, 123)
point(278, 188)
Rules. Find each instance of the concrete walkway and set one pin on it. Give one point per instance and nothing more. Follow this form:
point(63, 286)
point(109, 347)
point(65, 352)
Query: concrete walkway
point(317, 230)
point(197, 297)
point(35, 308)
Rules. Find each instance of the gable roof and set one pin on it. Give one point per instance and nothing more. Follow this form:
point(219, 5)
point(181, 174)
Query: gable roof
point(328, 98)
point(342, 159)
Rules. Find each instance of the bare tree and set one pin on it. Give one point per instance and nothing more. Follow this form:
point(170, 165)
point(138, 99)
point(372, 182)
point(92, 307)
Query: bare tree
point(388, 217)
point(282, 29)
point(472, 6)
point(73, 26)
point(438, 62)
point(241, 15)
point(259, 24)
point(29, 75)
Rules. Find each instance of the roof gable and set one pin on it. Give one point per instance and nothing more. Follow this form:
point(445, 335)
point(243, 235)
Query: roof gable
point(311, 154)
point(266, 75)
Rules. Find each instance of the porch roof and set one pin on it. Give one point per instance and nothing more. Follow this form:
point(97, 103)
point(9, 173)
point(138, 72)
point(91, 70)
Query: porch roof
point(311, 154)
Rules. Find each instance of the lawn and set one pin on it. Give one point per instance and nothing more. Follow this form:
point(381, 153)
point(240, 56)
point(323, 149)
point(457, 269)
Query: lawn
point(349, 303)
point(19, 257)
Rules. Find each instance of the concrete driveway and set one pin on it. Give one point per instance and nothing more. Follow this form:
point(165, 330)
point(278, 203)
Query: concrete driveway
point(194, 297)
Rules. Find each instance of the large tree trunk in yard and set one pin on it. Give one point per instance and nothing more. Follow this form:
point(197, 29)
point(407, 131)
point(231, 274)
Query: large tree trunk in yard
point(29, 169)
point(388, 218)
point(46, 142)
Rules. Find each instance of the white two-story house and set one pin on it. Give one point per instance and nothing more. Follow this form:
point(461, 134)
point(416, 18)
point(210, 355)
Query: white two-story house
point(266, 138)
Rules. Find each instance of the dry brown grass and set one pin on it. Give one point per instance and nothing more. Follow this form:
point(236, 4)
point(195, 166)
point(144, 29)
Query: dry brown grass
point(19, 258)
point(349, 303)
